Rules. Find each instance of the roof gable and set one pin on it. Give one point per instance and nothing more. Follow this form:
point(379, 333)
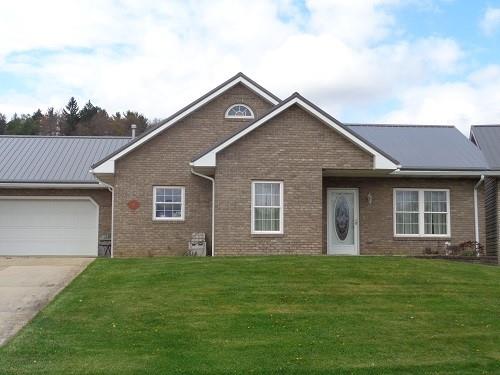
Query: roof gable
point(107, 165)
point(381, 159)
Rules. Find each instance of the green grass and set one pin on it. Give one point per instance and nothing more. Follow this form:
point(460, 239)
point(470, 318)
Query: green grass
point(267, 315)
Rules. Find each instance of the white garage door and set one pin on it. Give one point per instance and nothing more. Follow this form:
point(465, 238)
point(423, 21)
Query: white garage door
point(39, 226)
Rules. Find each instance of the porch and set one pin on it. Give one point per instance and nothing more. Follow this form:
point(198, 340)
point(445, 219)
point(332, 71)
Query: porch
point(359, 214)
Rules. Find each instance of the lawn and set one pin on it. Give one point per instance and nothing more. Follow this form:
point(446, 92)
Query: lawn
point(267, 315)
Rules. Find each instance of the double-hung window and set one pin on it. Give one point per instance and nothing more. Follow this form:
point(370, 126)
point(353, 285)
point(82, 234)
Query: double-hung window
point(422, 212)
point(267, 207)
point(168, 203)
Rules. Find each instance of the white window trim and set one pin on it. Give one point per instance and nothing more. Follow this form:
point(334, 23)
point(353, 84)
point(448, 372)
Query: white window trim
point(183, 203)
point(280, 231)
point(421, 214)
point(239, 117)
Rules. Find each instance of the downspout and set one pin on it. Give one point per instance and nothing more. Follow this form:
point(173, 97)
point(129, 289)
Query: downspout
point(476, 208)
point(111, 189)
point(213, 206)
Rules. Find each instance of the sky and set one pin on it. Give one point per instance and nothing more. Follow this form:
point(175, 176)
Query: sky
point(368, 61)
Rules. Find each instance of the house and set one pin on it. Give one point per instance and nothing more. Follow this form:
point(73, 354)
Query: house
point(257, 174)
point(487, 138)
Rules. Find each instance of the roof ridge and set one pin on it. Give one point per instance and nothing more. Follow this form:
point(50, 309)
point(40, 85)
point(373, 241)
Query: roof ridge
point(381, 125)
point(64, 136)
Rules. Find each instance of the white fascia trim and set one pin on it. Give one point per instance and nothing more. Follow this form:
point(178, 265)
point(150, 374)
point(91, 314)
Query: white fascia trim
point(109, 165)
point(28, 185)
point(422, 173)
point(380, 161)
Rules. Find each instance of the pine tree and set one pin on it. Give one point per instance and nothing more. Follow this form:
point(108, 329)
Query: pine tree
point(3, 124)
point(88, 111)
point(71, 116)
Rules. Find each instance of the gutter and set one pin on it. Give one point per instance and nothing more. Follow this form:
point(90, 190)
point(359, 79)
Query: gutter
point(213, 206)
point(48, 185)
point(476, 208)
point(112, 190)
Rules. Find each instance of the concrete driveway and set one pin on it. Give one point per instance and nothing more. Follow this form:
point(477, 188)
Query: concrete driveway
point(28, 284)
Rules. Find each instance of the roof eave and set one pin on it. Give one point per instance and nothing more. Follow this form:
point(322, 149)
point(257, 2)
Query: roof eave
point(49, 185)
point(430, 172)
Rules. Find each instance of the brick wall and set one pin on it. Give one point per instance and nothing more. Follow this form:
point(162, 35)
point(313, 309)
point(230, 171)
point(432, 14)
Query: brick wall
point(491, 213)
point(294, 147)
point(164, 160)
point(101, 196)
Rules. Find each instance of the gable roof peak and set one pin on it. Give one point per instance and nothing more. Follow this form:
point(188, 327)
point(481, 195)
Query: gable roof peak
point(106, 165)
point(381, 159)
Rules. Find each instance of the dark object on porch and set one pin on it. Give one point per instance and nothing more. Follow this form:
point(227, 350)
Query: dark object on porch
point(104, 248)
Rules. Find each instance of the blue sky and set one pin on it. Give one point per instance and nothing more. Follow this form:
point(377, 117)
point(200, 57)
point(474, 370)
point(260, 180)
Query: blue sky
point(413, 61)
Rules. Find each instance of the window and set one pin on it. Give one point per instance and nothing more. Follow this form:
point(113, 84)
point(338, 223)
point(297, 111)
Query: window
point(168, 203)
point(422, 212)
point(239, 111)
point(267, 207)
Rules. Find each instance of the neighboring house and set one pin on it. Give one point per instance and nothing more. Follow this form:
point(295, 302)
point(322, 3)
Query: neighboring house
point(487, 138)
point(257, 174)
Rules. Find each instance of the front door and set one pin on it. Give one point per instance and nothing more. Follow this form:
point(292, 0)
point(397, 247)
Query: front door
point(342, 221)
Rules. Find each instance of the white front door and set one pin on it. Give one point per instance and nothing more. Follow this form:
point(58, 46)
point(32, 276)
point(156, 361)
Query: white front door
point(343, 221)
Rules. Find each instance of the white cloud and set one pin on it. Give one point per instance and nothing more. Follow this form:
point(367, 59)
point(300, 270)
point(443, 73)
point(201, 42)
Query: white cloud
point(461, 103)
point(156, 56)
point(490, 22)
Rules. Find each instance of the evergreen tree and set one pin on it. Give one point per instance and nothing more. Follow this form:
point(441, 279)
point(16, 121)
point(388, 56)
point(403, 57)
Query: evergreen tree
point(22, 125)
point(71, 116)
point(37, 116)
point(3, 124)
point(88, 111)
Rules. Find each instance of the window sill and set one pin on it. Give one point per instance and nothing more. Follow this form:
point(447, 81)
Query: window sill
point(239, 119)
point(267, 235)
point(422, 238)
point(168, 221)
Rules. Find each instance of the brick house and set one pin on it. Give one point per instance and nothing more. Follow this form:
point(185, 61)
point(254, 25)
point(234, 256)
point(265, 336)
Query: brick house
point(257, 174)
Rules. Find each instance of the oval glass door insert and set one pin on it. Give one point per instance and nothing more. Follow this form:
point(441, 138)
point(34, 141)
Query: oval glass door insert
point(342, 218)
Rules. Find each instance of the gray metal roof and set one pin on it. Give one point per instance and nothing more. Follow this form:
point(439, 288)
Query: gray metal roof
point(422, 147)
point(487, 137)
point(41, 159)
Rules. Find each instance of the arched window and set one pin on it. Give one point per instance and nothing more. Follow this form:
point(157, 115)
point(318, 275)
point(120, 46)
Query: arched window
point(239, 111)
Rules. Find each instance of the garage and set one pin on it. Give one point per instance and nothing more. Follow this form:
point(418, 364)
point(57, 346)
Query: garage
point(48, 226)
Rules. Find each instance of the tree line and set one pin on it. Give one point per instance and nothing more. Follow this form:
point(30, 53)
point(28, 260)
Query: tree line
point(90, 120)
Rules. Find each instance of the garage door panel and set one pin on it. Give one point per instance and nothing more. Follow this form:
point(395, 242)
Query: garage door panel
point(48, 227)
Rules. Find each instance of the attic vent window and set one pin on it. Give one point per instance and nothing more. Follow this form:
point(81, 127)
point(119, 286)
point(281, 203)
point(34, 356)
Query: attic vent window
point(239, 111)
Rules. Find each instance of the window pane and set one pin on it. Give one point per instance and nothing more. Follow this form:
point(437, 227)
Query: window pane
point(407, 200)
point(239, 111)
point(406, 223)
point(267, 194)
point(267, 219)
point(435, 201)
point(168, 202)
point(435, 223)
